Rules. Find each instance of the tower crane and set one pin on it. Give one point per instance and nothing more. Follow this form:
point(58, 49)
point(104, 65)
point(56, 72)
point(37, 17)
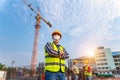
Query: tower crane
point(38, 18)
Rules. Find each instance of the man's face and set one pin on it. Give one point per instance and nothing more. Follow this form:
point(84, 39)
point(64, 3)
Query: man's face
point(56, 38)
point(75, 63)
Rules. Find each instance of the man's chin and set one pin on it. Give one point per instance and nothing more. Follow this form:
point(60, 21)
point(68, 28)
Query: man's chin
point(56, 41)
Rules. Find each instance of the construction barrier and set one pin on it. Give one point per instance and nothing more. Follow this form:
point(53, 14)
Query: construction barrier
point(3, 75)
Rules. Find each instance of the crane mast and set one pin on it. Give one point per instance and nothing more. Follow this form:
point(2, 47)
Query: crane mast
point(38, 18)
point(35, 46)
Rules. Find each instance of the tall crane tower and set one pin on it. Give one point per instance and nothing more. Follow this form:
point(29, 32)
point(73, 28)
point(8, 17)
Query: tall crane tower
point(38, 18)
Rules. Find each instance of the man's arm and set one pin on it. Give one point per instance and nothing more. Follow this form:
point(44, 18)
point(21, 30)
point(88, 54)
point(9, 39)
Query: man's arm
point(73, 69)
point(50, 50)
point(65, 55)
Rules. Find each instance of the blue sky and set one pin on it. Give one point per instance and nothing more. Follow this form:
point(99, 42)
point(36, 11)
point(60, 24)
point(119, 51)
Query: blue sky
point(85, 25)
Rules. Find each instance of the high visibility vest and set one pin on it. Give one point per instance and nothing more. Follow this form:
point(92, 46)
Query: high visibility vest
point(54, 64)
point(75, 69)
point(87, 73)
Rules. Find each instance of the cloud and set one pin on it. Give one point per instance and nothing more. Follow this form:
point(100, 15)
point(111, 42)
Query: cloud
point(89, 20)
point(99, 29)
point(88, 24)
point(2, 4)
point(75, 31)
point(21, 10)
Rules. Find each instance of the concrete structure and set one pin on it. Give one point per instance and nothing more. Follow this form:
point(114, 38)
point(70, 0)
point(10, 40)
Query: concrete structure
point(3, 75)
point(116, 57)
point(104, 59)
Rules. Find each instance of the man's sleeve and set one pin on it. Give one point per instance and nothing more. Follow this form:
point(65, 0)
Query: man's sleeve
point(65, 55)
point(50, 50)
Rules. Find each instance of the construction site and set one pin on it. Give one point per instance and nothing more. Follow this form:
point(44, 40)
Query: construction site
point(104, 65)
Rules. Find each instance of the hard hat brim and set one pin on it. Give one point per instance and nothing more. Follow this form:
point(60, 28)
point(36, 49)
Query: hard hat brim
point(56, 33)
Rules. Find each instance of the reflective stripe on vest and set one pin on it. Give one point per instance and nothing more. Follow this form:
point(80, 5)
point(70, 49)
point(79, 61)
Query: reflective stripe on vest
point(54, 64)
point(86, 71)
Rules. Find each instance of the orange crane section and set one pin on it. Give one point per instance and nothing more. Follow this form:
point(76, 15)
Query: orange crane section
point(35, 44)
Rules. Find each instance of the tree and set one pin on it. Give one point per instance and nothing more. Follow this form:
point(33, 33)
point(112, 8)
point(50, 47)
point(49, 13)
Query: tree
point(2, 66)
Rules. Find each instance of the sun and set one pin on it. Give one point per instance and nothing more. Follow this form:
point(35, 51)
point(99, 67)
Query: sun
point(90, 52)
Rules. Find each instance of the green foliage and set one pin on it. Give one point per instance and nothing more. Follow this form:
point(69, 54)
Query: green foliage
point(2, 66)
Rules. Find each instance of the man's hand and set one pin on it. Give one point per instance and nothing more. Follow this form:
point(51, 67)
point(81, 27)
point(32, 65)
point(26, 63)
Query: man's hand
point(61, 53)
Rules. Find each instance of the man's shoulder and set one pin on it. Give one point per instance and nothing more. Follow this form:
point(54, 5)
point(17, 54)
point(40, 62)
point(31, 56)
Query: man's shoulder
point(61, 45)
point(48, 43)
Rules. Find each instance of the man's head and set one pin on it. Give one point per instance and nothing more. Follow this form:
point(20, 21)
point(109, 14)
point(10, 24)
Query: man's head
point(56, 36)
point(86, 62)
point(74, 62)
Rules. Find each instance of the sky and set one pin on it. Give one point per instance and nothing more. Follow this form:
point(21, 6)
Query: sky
point(84, 24)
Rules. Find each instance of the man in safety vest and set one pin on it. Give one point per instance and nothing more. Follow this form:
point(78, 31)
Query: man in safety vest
point(75, 70)
point(87, 71)
point(55, 56)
